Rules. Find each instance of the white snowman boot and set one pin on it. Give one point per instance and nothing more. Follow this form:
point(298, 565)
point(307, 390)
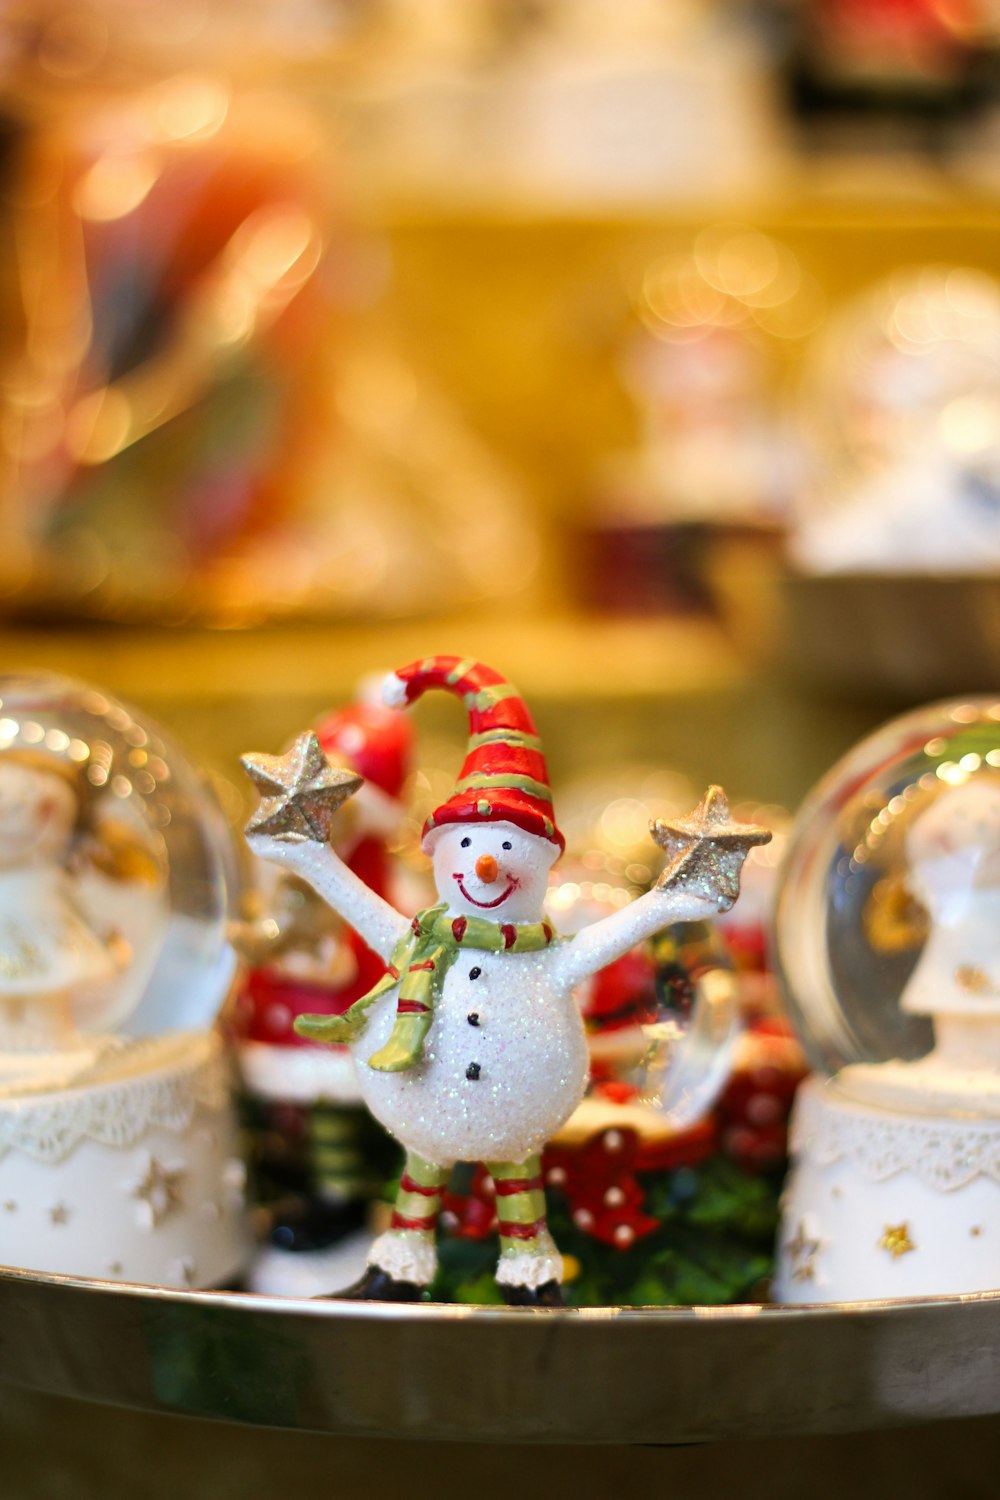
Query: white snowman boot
point(402, 1262)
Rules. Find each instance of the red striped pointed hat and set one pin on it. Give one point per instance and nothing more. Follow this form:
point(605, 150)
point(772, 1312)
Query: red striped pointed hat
point(504, 778)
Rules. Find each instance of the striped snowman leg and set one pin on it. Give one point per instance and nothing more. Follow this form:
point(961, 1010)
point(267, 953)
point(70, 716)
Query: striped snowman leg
point(406, 1251)
point(529, 1261)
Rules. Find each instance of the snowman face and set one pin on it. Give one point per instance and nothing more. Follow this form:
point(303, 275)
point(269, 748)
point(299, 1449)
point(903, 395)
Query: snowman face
point(37, 814)
point(954, 847)
point(493, 870)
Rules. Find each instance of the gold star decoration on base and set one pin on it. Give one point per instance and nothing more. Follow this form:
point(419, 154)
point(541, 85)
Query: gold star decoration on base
point(802, 1252)
point(975, 981)
point(706, 850)
point(300, 792)
point(896, 1240)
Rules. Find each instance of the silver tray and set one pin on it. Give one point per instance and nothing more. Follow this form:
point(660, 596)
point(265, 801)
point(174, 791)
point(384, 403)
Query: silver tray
point(600, 1375)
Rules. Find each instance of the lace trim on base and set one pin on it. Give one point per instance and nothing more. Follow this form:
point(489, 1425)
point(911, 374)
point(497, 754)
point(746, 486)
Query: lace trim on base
point(115, 1114)
point(943, 1154)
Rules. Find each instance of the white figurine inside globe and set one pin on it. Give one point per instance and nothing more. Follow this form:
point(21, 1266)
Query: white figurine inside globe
point(52, 959)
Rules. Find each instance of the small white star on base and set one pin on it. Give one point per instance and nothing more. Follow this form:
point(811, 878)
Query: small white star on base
point(159, 1191)
point(803, 1249)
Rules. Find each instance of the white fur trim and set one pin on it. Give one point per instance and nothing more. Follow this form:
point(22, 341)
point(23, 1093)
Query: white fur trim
point(531, 1268)
point(310, 1273)
point(406, 1254)
point(393, 692)
point(301, 1075)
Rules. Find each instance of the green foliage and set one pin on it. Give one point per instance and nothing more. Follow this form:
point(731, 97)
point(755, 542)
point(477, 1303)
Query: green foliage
point(713, 1245)
point(466, 1271)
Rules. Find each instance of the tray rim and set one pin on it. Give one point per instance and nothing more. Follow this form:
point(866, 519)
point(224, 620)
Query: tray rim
point(662, 1375)
point(333, 1306)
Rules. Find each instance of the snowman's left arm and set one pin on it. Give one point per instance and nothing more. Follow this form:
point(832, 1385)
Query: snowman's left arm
point(604, 941)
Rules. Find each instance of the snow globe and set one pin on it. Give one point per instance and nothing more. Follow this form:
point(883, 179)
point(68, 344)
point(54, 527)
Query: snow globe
point(888, 949)
point(118, 1154)
point(901, 401)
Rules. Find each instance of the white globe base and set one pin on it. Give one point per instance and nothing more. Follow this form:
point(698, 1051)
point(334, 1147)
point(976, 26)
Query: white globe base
point(886, 1202)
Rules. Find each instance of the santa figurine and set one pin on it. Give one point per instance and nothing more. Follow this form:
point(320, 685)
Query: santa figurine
point(472, 1047)
point(316, 1152)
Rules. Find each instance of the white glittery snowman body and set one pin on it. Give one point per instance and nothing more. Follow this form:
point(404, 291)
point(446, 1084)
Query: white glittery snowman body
point(495, 1087)
point(491, 1088)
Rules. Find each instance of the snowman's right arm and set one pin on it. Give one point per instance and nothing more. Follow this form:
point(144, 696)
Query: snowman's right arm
point(380, 924)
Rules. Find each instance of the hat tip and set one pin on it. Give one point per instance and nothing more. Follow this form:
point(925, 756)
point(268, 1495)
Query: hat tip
point(393, 691)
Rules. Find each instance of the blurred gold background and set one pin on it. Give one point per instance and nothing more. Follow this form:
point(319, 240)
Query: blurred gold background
point(334, 333)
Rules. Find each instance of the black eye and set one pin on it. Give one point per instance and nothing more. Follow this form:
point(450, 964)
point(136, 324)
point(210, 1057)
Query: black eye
point(466, 843)
point(508, 844)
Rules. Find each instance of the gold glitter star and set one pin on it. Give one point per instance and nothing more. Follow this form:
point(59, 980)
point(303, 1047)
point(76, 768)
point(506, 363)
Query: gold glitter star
point(705, 851)
point(59, 1213)
point(300, 790)
point(803, 1252)
point(896, 1240)
point(974, 980)
point(10, 1207)
point(159, 1190)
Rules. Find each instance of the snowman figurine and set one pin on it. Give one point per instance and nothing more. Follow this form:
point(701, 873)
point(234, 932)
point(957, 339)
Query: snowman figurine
point(472, 1047)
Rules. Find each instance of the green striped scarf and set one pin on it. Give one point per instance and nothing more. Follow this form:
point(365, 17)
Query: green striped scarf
point(419, 965)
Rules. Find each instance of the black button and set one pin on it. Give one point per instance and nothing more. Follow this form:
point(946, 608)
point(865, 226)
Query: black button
point(473, 1018)
point(472, 1072)
point(475, 973)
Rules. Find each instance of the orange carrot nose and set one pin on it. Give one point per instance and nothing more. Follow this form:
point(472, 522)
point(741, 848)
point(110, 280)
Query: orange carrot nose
point(487, 869)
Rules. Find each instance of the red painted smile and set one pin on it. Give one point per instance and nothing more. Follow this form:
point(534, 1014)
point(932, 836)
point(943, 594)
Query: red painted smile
point(486, 905)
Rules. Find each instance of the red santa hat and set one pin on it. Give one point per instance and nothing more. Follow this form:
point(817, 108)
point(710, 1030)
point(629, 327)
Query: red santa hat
point(372, 739)
point(504, 778)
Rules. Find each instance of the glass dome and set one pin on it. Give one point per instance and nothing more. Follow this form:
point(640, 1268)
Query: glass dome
point(116, 872)
point(888, 909)
point(662, 1020)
